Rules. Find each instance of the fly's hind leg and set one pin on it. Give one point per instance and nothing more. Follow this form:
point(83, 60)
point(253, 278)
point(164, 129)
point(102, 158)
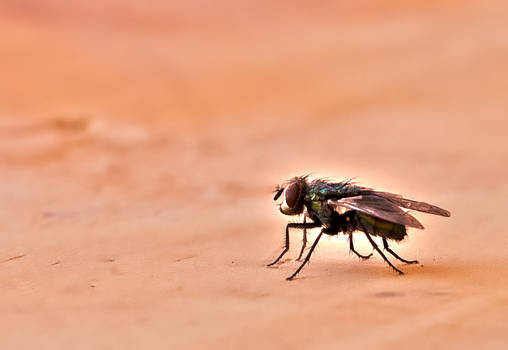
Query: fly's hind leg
point(374, 245)
point(352, 248)
point(385, 245)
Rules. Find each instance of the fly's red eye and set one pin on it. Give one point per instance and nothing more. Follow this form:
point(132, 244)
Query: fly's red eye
point(292, 194)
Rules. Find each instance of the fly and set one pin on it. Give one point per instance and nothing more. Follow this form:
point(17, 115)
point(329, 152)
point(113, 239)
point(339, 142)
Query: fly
point(344, 207)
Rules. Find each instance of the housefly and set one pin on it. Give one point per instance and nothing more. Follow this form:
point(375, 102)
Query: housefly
point(344, 207)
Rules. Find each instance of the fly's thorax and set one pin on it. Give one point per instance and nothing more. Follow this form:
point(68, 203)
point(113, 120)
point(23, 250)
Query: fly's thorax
point(315, 201)
point(321, 210)
point(312, 196)
point(316, 206)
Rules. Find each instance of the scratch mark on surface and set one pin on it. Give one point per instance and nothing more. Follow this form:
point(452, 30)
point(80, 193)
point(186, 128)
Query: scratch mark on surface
point(185, 258)
point(14, 258)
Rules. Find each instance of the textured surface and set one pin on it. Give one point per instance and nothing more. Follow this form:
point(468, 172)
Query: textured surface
point(139, 147)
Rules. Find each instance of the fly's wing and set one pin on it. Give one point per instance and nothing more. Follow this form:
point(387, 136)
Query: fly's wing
point(413, 205)
point(378, 207)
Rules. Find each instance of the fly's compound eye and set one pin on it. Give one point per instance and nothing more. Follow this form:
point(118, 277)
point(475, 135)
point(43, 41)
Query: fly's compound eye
point(292, 195)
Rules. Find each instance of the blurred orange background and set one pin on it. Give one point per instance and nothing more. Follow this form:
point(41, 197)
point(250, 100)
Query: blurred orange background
point(140, 142)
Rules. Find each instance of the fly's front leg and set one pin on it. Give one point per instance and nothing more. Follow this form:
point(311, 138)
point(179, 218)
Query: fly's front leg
point(307, 257)
point(286, 246)
point(304, 244)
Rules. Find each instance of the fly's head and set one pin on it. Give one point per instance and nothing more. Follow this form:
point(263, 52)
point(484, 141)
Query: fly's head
point(292, 192)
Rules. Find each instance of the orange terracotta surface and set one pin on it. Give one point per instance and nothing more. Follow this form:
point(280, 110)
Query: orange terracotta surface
point(140, 143)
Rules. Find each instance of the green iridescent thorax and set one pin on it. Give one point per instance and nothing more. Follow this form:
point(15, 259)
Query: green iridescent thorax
point(316, 206)
point(314, 196)
point(327, 190)
point(318, 192)
point(316, 200)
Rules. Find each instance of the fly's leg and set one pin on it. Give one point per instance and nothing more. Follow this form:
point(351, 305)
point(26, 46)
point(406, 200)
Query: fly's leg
point(381, 253)
point(304, 244)
point(306, 260)
point(286, 247)
point(385, 245)
point(352, 248)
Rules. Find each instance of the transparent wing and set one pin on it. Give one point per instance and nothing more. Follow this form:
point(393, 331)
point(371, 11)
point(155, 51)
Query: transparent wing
point(379, 207)
point(413, 205)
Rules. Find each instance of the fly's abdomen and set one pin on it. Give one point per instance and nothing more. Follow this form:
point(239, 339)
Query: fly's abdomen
point(379, 227)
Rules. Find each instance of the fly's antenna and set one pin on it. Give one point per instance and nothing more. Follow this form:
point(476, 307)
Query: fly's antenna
point(278, 191)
